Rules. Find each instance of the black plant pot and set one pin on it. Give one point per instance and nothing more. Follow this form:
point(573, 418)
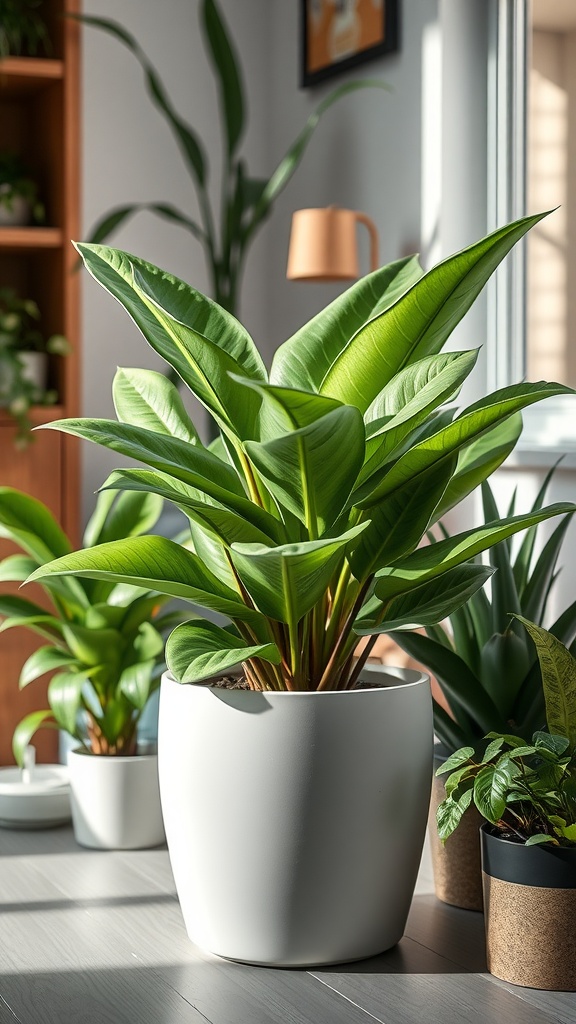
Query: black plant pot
point(530, 912)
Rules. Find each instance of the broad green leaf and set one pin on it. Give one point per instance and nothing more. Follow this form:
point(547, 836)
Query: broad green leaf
point(287, 409)
point(225, 63)
point(199, 339)
point(448, 441)
point(479, 460)
point(26, 729)
point(122, 515)
point(16, 568)
point(27, 522)
point(154, 563)
point(65, 699)
point(540, 838)
point(93, 647)
point(135, 683)
point(557, 745)
point(198, 650)
point(449, 814)
point(493, 748)
point(148, 643)
point(312, 470)
point(285, 582)
point(458, 758)
point(304, 360)
point(420, 322)
point(148, 399)
point(490, 788)
point(430, 603)
point(558, 681)
point(428, 562)
point(44, 659)
point(193, 465)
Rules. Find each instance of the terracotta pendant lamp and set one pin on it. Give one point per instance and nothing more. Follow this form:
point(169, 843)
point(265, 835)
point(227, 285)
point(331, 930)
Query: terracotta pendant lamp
point(323, 244)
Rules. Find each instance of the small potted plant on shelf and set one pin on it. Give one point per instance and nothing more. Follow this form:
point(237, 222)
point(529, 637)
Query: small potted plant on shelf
point(22, 29)
point(105, 645)
point(19, 203)
point(24, 355)
point(305, 516)
point(486, 668)
point(526, 794)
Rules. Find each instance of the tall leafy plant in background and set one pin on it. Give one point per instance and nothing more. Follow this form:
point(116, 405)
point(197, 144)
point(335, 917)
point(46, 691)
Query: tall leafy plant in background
point(225, 233)
point(104, 642)
point(307, 511)
point(483, 659)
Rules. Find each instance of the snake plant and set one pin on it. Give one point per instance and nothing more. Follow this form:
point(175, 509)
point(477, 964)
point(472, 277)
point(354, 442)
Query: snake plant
point(483, 659)
point(224, 230)
point(307, 512)
point(104, 641)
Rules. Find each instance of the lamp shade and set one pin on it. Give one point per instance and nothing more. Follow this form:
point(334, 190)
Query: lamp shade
point(323, 244)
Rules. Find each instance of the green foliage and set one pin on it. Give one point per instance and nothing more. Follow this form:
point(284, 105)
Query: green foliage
point(16, 182)
point(22, 28)
point(226, 231)
point(526, 790)
point(484, 661)
point(305, 515)
point(105, 640)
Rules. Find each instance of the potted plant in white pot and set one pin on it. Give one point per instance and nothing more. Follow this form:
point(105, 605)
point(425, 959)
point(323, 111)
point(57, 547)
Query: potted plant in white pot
point(526, 794)
point(105, 648)
point(305, 517)
point(488, 673)
point(19, 203)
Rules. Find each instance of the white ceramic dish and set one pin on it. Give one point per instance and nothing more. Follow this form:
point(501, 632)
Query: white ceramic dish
point(41, 803)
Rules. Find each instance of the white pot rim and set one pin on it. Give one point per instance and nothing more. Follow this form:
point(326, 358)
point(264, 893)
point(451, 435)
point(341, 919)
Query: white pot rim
point(397, 679)
point(82, 752)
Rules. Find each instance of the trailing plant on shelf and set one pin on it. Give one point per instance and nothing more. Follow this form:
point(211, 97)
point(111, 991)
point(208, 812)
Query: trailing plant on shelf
point(527, 791)
point(483, 660)
point(22, 29)
point(226, 231)
point(17, 184)
point(307, 511)
point(20, 386)
point(105, 642)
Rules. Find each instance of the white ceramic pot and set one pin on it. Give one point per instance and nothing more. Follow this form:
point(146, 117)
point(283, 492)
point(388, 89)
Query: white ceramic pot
point(115, 801)
point(35, 368)
point(295, 821)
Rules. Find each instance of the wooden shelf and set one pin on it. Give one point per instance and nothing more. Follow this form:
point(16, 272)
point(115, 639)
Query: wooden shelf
point(38, 414)
point(21, 75)
point(30, 238)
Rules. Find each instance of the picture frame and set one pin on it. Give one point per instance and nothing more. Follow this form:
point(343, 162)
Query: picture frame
point(337, 35)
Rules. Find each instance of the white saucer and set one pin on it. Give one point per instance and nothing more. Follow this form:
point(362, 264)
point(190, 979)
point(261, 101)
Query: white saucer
point(41, 803)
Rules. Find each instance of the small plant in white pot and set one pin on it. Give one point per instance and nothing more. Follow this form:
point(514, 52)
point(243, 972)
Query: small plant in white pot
point(104, 646)
point(526, 794)
point(305, 517)
point(19, 202)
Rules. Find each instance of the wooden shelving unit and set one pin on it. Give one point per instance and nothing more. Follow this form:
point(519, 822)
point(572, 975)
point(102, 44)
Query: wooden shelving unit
point(39, 120)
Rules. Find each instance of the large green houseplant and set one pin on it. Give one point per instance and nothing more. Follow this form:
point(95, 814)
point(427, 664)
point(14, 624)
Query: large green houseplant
point(306, 516)
point(104, 642)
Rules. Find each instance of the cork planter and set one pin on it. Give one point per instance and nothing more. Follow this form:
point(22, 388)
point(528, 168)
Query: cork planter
point(295, 821)
point(456, 863)
point(530, 912)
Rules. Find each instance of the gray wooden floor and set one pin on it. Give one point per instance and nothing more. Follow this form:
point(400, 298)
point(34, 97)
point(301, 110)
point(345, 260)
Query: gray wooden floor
point(97, 938)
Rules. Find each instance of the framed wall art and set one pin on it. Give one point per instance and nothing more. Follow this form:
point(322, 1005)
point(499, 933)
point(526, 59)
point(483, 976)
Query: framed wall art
point(341, 34)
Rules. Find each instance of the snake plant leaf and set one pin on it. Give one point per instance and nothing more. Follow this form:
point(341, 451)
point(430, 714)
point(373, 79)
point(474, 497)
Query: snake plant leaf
point(231, 90)
point(398, 523)
point(194, 465)
point(187, 140)
point(65, 697)
point(503, 666)
point(44, 659)
point(428, 604)
point(479, 460)
point(505, 599)
point(135, 683)
point(407, 400)
point(223, 524)
point(27, 522)
point(154, 563)
point(198, 650)
point(304, 360)
point(312, 470)
point(199, 339)
point(285, 169)
point(523, 560)
point(451, 439)
point(537, 589)
point(16, 568)
point(428, 562)
point(286, 581)
point(26, 729)
point(121, 214)
point(148, 399)
point(420, 322)
point(558, 681)
point(122, 515)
